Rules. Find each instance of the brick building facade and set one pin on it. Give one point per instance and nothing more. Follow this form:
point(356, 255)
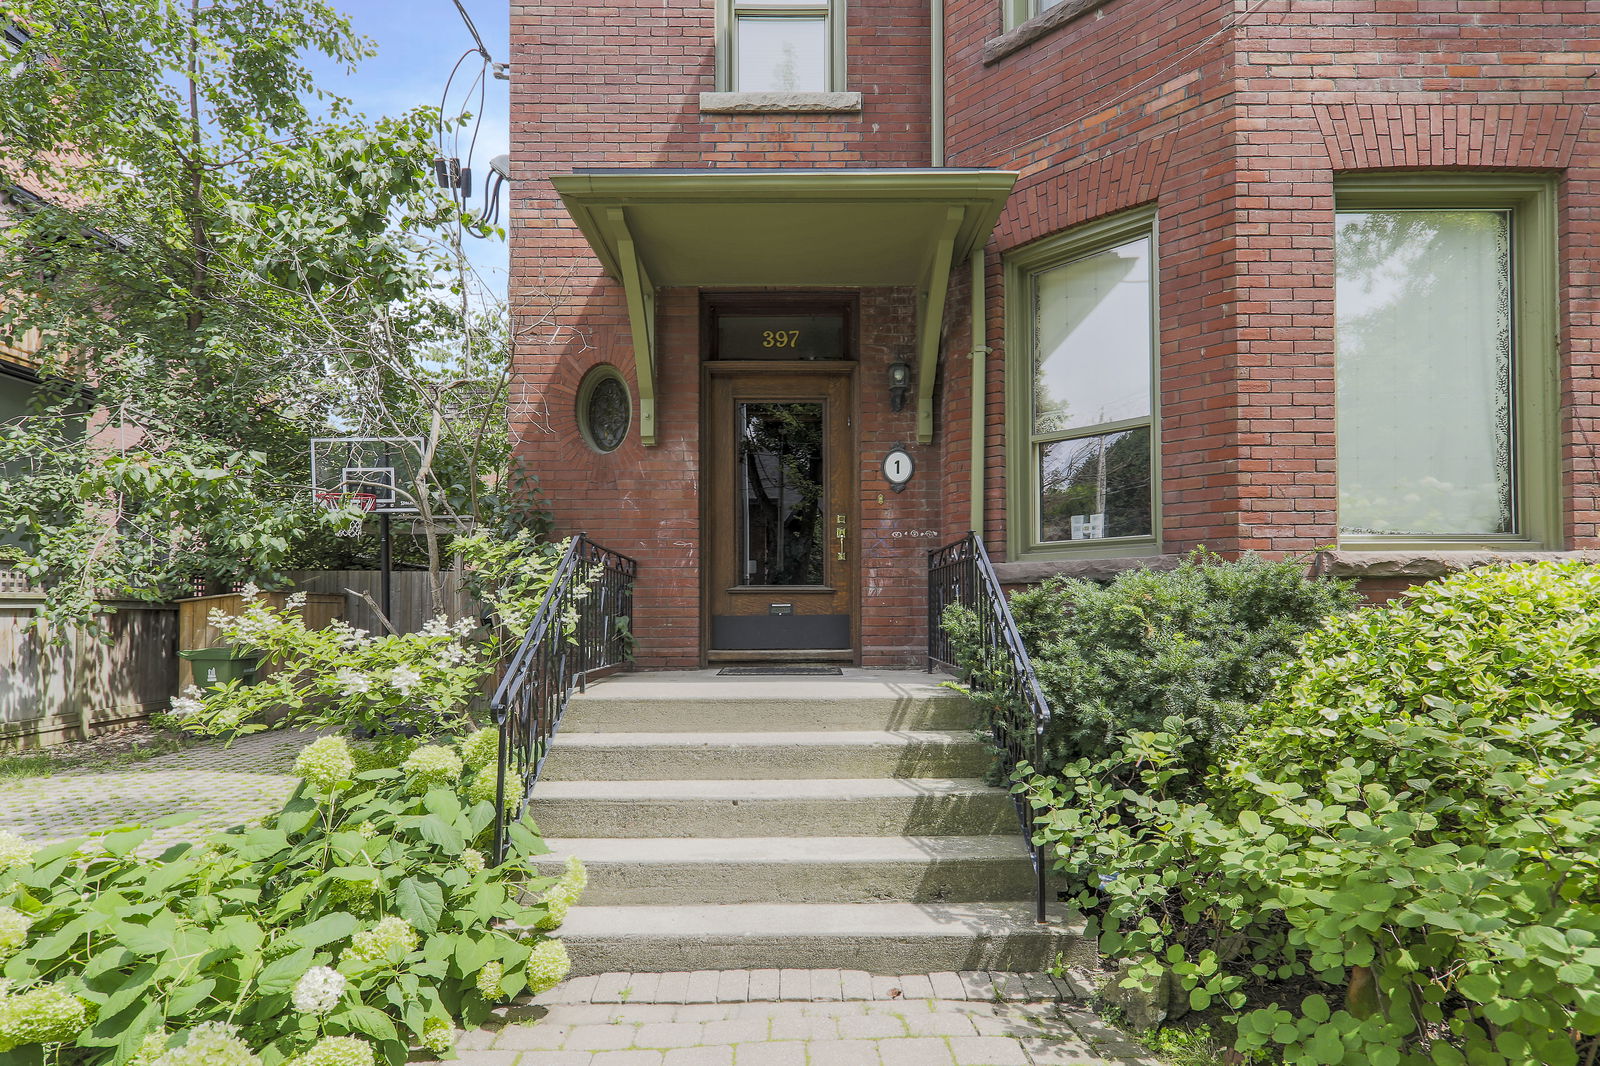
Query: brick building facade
point(1352, 239)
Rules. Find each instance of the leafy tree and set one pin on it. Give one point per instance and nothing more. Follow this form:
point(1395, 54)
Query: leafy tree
point(224, 250)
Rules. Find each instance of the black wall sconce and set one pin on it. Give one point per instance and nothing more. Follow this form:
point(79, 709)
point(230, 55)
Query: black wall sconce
point(899, 384)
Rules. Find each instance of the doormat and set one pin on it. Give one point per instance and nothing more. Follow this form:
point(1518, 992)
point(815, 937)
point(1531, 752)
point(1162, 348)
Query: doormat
point(804, 670)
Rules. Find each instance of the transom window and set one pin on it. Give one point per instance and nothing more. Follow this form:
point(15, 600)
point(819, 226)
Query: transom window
point(1089, 435)
point(782, 46)
point(1442, 400)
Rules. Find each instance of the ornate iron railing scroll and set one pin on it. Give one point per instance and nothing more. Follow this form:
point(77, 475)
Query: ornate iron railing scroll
point(583, 629)
point(961, 573)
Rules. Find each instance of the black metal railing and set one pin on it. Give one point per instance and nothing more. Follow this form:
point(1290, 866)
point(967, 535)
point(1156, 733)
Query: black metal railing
point(583, 629)
point(1001, 671)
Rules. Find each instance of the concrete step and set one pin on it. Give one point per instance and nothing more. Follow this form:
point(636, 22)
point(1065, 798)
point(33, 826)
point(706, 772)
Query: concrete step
point(721, 870)
point(697, 701)
point(799, 808)
point(886, 938)
point(732, 756)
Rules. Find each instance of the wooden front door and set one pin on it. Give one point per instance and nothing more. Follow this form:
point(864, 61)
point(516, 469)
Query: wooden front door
point(779, 494)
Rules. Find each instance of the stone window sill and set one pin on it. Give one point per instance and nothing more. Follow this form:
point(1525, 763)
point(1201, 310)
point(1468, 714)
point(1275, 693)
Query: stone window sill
point(780, 103)
point(1041, 25)
point(1029, 571)
point(1429, 563)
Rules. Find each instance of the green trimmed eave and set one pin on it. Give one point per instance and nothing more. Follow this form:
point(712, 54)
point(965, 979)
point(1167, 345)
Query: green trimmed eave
point(785, 229)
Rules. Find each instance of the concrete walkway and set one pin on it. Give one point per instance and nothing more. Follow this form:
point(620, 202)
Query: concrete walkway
point(803, 1018)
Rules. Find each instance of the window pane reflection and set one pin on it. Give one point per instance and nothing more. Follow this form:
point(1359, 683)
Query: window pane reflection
point(1092, 340)
point(1096, 487)
point(780, 485)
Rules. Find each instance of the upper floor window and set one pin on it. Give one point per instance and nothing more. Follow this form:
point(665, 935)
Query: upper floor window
point(1020, 11)
point(1088, 442)
point(1442, 307)
point(781, 46)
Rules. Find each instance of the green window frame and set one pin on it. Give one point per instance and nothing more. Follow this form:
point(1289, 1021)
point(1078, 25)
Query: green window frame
point(1019, 11)
point(1027, 443)
point(1531, 446)
point(732, 13)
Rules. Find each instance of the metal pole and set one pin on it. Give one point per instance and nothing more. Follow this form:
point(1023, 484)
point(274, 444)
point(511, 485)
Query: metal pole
point(385, 567)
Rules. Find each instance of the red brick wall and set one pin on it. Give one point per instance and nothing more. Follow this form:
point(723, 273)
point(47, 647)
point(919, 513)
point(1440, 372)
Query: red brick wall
point(1230, 117)
point(1233, 118)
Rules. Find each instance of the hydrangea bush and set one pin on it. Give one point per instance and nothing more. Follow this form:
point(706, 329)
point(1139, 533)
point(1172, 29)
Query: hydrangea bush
point(353, 926)
point(386, 686)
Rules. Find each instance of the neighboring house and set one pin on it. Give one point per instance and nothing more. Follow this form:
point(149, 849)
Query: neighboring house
point(1276, 275)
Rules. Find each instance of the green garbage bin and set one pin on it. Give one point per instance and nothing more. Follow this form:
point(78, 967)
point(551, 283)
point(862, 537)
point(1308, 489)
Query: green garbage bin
point(217, 666)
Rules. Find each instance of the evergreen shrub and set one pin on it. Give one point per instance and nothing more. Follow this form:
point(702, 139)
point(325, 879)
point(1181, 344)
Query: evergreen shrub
point(1198, 643)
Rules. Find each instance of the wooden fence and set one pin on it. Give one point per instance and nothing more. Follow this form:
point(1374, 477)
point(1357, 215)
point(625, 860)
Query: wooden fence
point(54, 692)
point(51, 692)
point(411, 591)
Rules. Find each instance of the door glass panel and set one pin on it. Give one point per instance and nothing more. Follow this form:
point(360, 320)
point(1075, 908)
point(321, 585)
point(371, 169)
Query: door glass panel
point(780, 494)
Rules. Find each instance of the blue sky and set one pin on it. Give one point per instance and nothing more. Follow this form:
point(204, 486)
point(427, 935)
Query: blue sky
point(418, 43)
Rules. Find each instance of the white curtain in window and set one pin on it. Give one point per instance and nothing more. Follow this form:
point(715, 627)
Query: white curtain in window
point(1092, 339)
point(1423, 305)
point(782, 54)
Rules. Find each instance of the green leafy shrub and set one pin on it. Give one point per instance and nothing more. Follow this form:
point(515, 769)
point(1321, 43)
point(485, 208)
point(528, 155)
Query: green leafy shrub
point(1198, 643)
point(340, 677)
point(1426, 875)
point(357, 923)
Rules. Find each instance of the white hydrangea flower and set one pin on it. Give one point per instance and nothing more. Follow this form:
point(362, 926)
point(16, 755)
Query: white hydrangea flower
point(337, 1051)
point(438, 1035)
point(319, 990)
point(373, 944)
point(488, 981)
point(437, 626)
point(548, 966)
point(325, 762)
point(14, 927)
point(14, 851)
point(296, 601)
point(353, 682)
point(481, 748)
point(250, 591)
point(471, 859)
point(45, 1014)
point(431, 765)
point(211, 1044)
point(404, 679)
point(191, 703)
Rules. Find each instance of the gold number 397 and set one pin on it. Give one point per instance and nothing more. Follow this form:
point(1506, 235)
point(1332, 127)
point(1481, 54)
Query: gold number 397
point(780, 338)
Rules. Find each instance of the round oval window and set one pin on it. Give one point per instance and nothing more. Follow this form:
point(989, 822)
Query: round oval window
point(605, 409)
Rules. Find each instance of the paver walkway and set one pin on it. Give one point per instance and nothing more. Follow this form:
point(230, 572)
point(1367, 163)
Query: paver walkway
point(803, 1018)
point(224, 785)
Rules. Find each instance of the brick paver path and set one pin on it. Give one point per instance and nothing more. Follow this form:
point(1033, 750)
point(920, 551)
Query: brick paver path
point(803, 1018)
point(225, 785)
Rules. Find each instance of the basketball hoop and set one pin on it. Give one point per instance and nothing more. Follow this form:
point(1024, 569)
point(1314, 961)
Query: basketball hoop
point(334, 500)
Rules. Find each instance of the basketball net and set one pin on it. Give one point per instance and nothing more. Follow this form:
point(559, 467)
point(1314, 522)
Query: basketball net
point(333, 501)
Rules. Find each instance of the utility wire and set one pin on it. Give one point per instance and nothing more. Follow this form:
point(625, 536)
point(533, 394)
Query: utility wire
point(487, 58)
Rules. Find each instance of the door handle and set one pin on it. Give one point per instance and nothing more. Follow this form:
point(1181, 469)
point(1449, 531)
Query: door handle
point(841, 532)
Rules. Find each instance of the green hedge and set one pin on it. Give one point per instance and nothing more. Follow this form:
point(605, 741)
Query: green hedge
point(357, 923)
point(1407, 837)
point(1198, 643)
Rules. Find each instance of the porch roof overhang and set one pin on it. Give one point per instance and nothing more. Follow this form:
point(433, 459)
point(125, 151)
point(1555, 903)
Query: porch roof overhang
point(785, 229)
